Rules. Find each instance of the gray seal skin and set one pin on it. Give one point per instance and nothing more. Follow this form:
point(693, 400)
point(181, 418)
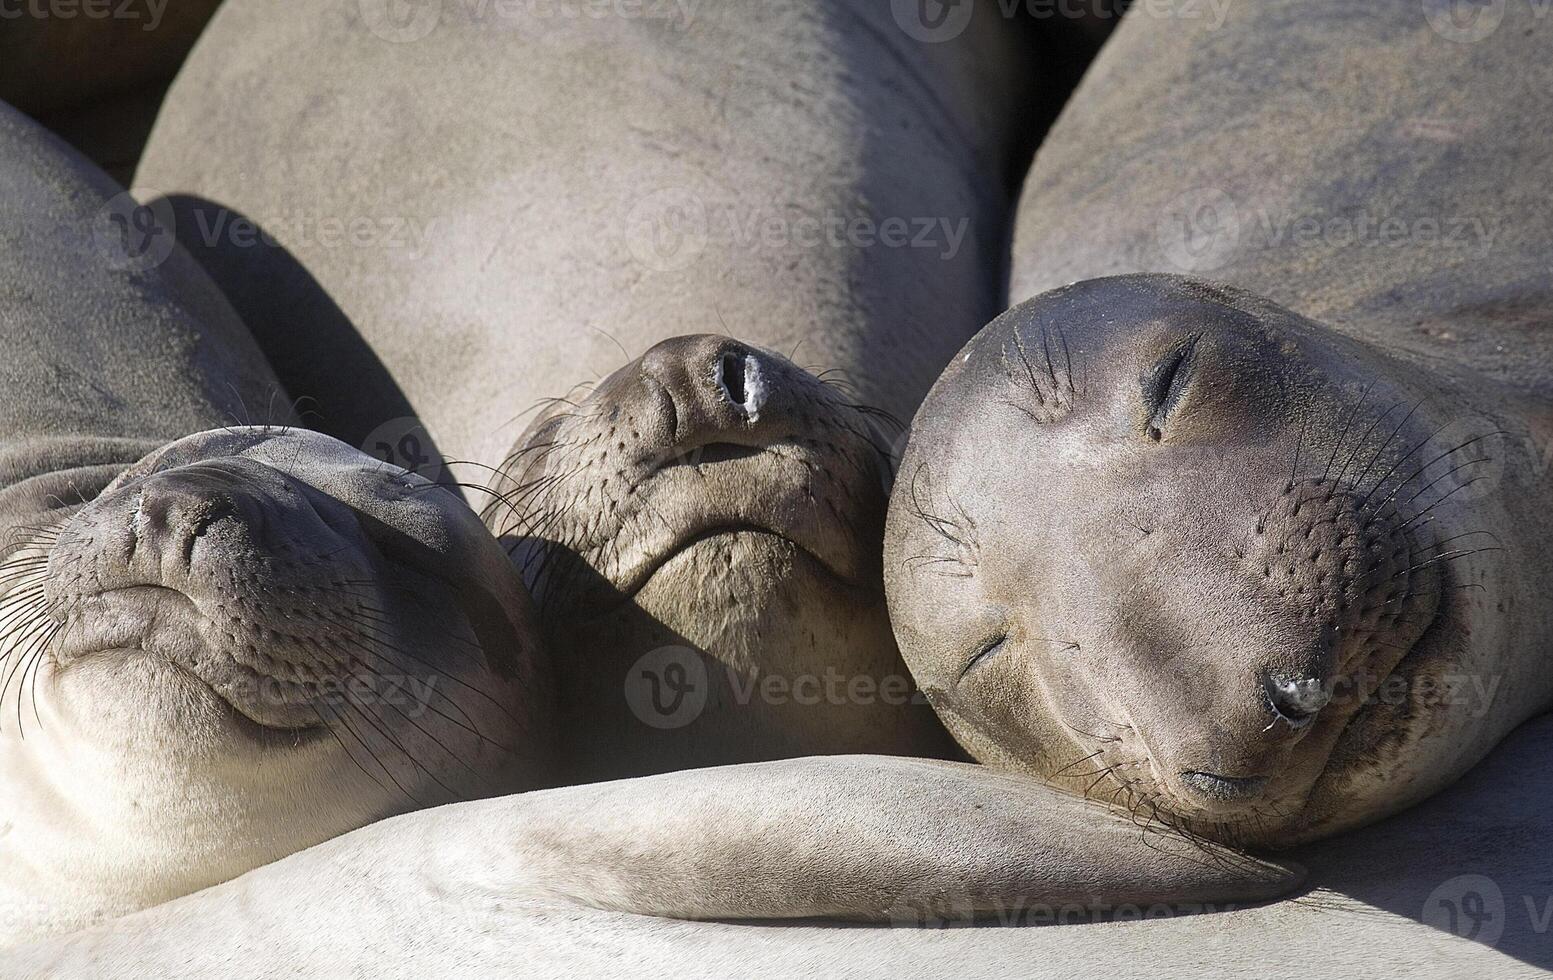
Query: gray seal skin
point(536, 190)
point(566, 190)
point(1242, 554)
point(220, 648)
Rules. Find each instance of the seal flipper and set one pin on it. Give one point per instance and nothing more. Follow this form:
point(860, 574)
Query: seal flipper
point(862, 838)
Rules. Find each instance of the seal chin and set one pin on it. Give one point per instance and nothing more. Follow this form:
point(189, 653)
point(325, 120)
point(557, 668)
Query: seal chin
point(165, 624)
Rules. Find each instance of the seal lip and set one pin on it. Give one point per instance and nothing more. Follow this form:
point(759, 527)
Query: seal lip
point(72, 647)
point(643, 576)
point(817, 534)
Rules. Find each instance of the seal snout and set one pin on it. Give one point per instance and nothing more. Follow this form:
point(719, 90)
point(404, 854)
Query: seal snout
point(174, 509)
point(703, 440)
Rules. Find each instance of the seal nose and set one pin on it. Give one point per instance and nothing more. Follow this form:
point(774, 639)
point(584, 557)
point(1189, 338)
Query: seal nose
point(718, 386)
point(176, 508)
point(1295, 700)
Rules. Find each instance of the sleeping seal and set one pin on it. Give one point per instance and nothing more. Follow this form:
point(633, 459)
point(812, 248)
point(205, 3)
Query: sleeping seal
point(219, 648)
point(1273, 566)
point(1385, 897)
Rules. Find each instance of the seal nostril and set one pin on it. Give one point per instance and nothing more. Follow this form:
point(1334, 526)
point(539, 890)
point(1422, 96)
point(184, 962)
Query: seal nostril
point(732, 377)
point(739, 376)
point(1296, 701)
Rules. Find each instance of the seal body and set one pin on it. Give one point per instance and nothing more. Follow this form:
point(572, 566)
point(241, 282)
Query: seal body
point(477, 207)
point(537, 196)
point(1266, 544)
point(218, 647)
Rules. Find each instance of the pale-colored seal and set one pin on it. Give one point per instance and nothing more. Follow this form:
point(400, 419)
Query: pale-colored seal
point(475, 208)
point(219, 648)
point(1259, 570)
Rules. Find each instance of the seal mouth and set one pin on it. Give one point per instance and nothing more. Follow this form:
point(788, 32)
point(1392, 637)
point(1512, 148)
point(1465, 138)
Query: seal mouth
point(704, 495)
point(726, 534)
point(159, 621)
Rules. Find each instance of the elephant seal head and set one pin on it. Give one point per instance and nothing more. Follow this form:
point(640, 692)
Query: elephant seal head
point(1163, 543)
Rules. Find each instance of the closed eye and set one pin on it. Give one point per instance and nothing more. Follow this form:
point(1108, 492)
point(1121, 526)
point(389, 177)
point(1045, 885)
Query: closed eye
point(987, 650)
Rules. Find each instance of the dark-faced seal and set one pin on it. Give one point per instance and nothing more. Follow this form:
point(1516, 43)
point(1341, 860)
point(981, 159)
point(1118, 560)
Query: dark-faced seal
point(536, 193)
point(1273, 565)
point(217, 648)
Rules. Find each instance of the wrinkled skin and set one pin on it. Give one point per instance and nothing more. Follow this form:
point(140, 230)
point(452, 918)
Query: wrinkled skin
point(252, 640)
point(1178, 548)
point(712, 498)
